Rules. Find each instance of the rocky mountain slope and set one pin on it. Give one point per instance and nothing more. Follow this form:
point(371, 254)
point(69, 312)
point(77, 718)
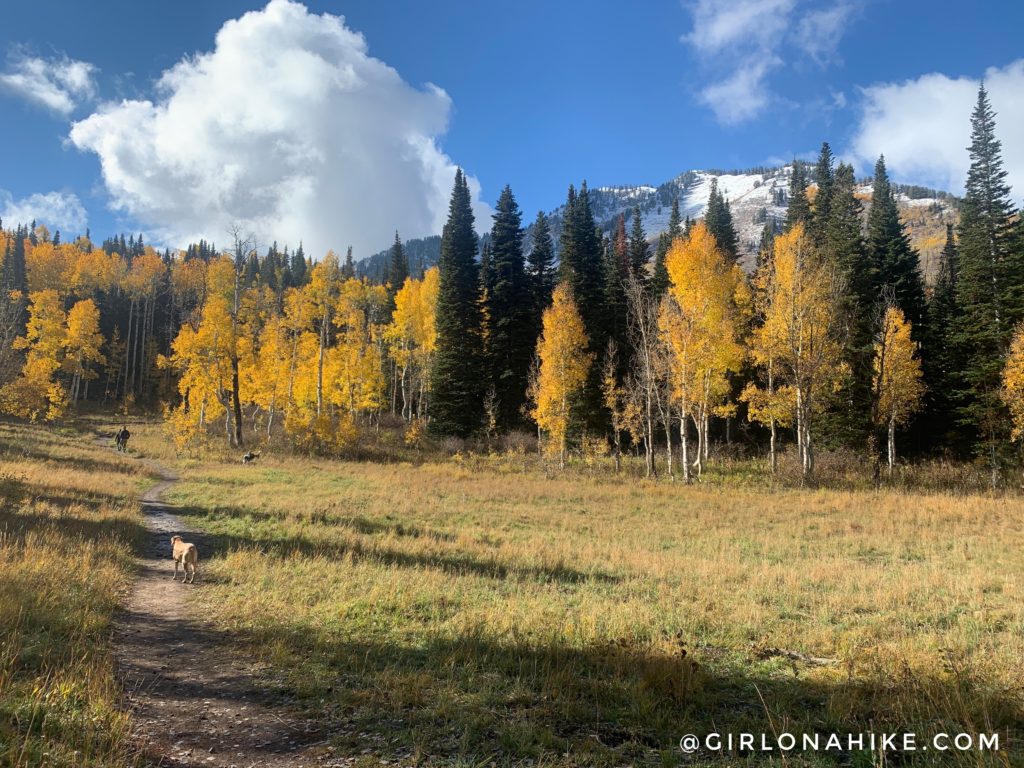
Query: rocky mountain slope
point(755, 196)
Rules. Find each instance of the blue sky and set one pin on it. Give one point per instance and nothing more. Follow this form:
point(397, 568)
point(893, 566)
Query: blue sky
point(535, 94)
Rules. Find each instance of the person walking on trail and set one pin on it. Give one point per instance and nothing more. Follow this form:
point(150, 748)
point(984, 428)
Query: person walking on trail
point(121, 439)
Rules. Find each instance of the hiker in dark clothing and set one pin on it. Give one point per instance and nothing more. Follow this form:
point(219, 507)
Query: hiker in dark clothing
point(121, 439)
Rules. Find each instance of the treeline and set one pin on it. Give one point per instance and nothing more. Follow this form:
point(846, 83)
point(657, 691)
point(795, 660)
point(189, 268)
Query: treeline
point(833, 339)
point(834, 336)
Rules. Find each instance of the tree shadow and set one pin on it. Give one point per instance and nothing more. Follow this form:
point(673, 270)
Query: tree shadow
point(212, 544)
point(75, 527)
point(475, 699)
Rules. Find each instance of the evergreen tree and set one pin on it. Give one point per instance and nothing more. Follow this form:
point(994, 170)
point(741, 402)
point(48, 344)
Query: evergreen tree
point(842, 244)
point(616, 267)
point(486, 272)
point(582, 269)
point(286, 270)
point(824, 177)
point(269, 268)
point(766, 246)
point(889, 250)
point(15, 276)
point(251, 270)
point(639, 252)
point(659, 278)
point(942, 363)
point(799, 210)
point(581, 261)
point(541, 270)
point(456, 378)
point(486, 275)
point(989, 284)
point(348, 269)
point(299, 267)
point(398, 267)
point(718, 219)
point(511, 339)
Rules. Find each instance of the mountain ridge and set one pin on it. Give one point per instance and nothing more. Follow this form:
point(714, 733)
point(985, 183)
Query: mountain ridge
point(755, 196)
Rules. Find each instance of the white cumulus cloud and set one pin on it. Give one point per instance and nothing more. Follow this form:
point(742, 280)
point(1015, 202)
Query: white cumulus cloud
point(922, 126)
point(742, 95)
point(288, 128)
point(742, 42)
point(57, 84)
point(57, 210)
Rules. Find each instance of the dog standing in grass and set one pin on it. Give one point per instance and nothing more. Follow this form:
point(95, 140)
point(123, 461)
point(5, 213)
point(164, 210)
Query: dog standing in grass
point(188, 556)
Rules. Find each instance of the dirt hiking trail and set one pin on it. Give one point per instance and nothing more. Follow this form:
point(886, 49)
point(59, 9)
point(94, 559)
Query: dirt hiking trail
point(194, 698)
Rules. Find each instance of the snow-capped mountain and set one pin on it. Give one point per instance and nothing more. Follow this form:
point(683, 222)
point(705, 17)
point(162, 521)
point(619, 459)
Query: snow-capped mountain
point(755, 196)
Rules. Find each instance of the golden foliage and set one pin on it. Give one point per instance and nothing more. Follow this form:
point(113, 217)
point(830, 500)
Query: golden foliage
point(701, 322)
point(897, 370)
point(564, 363)
point(1013, 382)
point(36, 393)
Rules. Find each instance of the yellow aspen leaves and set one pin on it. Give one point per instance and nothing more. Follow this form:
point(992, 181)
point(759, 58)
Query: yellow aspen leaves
point(1013, 383)
point(564, 364)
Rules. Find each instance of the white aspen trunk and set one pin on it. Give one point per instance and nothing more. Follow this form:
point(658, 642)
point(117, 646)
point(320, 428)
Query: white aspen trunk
point(406, 405)
point(565, 430)
point(772, 457)
point(128, 348)
point(320, 367)
point(801, 448)
point(684, 440)
point(668, 442)
point(892, 445)
point(698, 464)
point(649, 437)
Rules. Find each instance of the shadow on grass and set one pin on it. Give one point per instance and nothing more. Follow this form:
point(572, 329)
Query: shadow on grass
point(75, 528)
point(292, 545)
point(474, 700)
point(325, 516)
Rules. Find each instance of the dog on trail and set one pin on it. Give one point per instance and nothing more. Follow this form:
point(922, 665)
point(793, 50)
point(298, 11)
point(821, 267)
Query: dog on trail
point(250, 457)
point(187, 556)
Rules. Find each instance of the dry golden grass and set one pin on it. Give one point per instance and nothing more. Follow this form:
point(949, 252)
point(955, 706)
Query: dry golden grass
point(458, 615)
point(68, 523)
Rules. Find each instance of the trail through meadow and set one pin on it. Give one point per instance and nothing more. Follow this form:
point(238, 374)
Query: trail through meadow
point(195, 700)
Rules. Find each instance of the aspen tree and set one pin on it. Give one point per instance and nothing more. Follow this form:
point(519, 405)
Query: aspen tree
point(564, 364)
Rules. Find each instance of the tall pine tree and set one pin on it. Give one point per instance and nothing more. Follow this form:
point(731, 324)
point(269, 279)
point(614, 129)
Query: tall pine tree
point(990, 282)
point(824, 178)
point(940, 358)
point(659, 278)
point(581, 268)
point(456, 378)
point(889, 249)
point(718, 219)
point(299, 270)
point(798, 210)
point(541, 269)
point(511, 339)
point(842, 243)
point(617, 267)
point(639, 251)
point(398, 266)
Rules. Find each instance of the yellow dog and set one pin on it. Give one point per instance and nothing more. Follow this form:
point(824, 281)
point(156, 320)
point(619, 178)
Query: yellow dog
point(188, 556)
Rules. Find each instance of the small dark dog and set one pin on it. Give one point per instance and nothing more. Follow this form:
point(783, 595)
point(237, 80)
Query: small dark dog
point(250, 457)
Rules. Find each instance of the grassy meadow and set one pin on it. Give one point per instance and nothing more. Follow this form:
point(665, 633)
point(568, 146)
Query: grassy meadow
point(68, 528)
point(440, 613)
point(470, 612)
